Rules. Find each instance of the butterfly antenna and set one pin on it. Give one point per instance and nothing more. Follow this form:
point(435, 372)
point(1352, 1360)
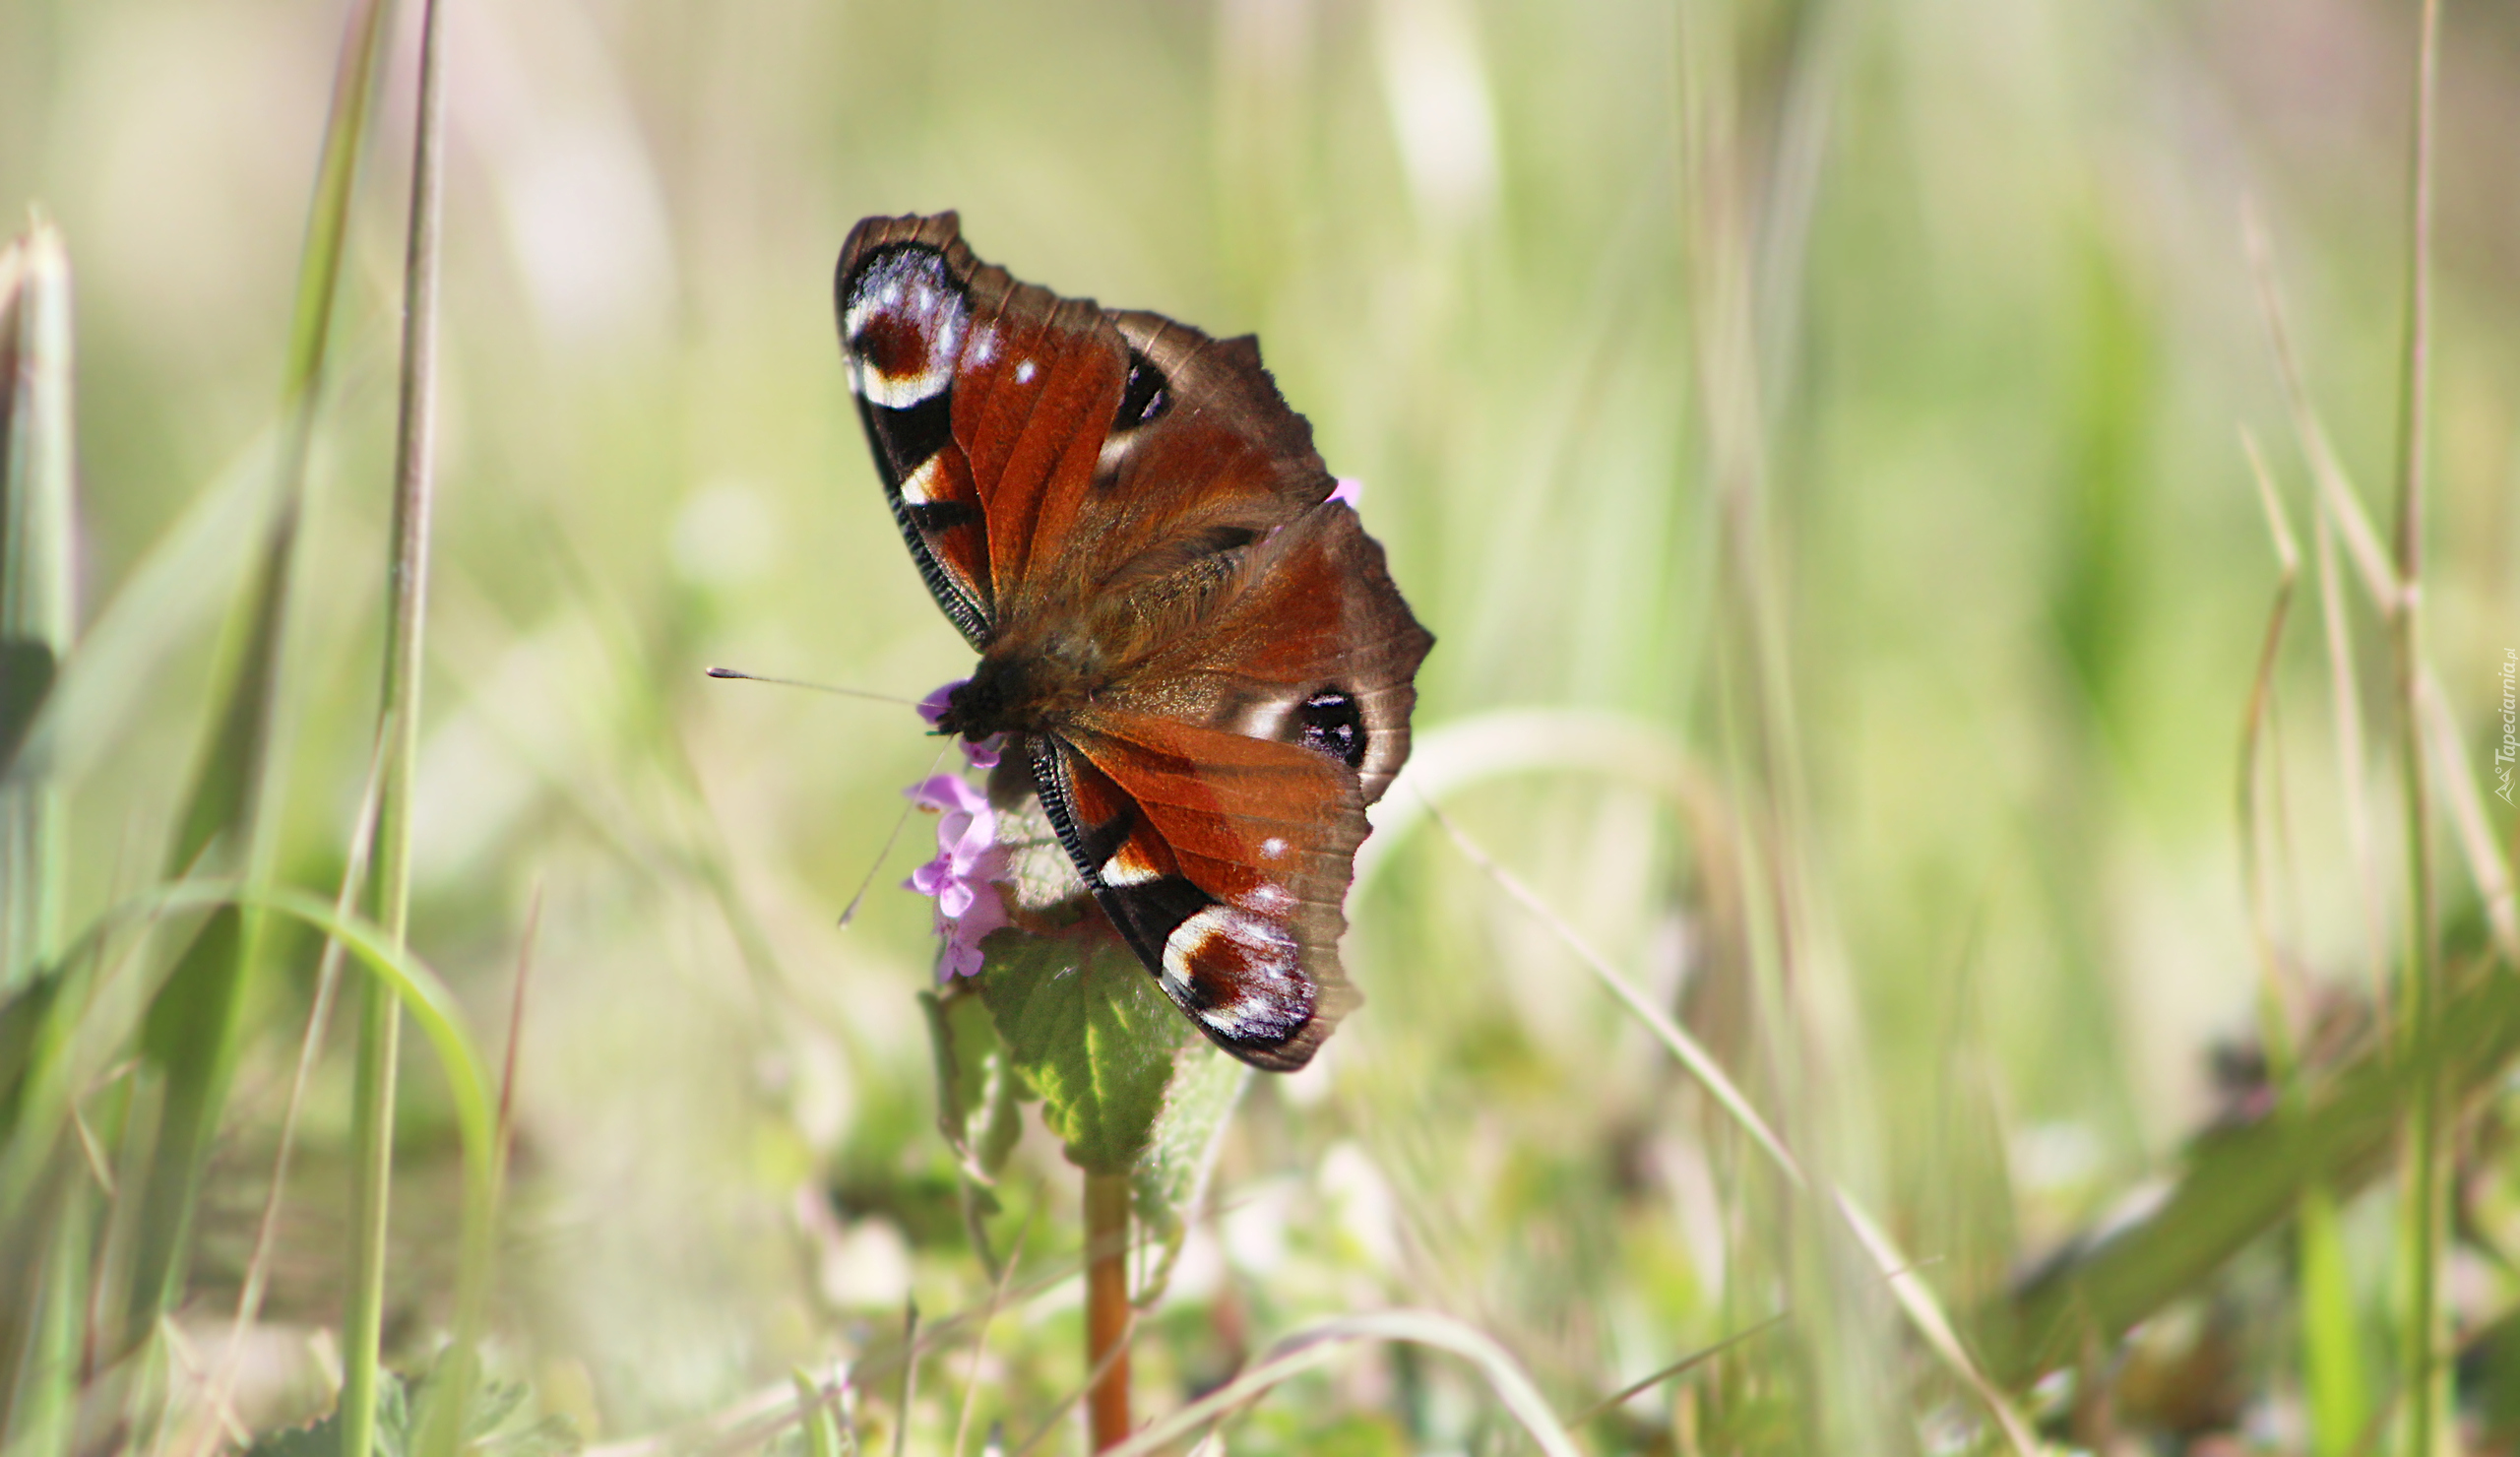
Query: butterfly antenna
point(754, 677)
point(890, 841)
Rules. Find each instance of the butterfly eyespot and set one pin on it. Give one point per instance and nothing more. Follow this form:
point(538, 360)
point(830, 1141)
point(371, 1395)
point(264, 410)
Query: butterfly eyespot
point(1237, 973)
point(1331, 723)
point(902, 315)
point(1146, 397)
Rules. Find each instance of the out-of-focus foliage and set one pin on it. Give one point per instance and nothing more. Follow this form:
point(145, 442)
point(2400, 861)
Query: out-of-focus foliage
point(1965, 279)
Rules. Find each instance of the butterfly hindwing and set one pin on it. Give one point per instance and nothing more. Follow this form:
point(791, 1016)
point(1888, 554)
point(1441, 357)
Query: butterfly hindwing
point(1222, 860)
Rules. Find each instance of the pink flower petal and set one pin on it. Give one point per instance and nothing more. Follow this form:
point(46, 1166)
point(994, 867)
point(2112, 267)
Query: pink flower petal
point(946, 792)
point(932, 706)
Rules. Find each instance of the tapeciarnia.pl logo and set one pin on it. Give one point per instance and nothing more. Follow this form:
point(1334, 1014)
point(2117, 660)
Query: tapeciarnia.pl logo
point(2503, 756)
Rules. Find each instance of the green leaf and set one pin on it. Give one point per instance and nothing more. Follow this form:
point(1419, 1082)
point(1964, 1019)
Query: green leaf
point(324, 1438)
point(1172, 1176)
point(1124, 1080)
point(2241, 1182)
point(821, 1424)
point(976, 1088)
point(496, 1423)
point(1088, 1031)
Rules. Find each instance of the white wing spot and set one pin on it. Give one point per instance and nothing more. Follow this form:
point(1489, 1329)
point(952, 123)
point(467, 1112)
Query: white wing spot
point(920, 488)
point(1025, 370)
point(1273, 849)
point(1264, 718)
point(1269, 898)
point(1127, 866)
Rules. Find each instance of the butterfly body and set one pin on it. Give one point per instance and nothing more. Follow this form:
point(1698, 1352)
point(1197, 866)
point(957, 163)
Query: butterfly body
point(1196, 649)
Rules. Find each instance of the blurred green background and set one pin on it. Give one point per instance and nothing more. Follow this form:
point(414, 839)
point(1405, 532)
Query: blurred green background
point(1954, 294)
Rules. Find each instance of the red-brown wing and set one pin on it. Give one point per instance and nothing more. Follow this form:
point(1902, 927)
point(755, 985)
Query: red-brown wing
point(1041, 452)
point(1223, 861)
point(1216, 801)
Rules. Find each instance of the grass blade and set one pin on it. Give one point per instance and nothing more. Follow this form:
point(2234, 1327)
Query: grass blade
point(1915, 1300)
point(191, 1031)
point(1320, 1343)
point(38, 602)
point(2423, 1340)
point(440, 1427)
point(2241, 1182)
point(42, 1300)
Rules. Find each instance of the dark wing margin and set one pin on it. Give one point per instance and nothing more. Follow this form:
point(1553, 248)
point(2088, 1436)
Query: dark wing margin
point(904, 301)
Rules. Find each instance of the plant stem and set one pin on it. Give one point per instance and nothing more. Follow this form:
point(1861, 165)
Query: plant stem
point(38, 561)
point(1107, 1305)
point(2428, 1141)
point(380, 1027)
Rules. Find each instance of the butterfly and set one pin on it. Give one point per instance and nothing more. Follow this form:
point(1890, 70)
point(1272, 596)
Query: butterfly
point(1194, 646)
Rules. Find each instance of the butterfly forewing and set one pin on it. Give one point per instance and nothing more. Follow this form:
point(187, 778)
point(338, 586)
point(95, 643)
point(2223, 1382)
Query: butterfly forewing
point(1209, 668)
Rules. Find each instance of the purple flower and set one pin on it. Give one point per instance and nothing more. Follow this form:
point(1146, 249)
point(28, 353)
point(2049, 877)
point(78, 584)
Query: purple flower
point(963, 877)
point(1348, 490)
point(980, 755)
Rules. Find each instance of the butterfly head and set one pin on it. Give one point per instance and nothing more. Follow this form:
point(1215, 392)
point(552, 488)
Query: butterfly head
point(1014, 691)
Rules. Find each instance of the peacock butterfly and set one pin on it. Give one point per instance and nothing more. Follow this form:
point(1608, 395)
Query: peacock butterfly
point(1182, 630)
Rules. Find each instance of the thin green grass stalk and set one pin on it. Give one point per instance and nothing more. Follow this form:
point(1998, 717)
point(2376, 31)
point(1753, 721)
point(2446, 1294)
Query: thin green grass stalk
point(327, 975)
point(2344, 707)
point(100, 1032)
point(380, 1023)
point(909, 1378)
point(37, 567)
point(41, 1322)
point(763, 1416)
point(2457, 789)
point(1924, 1314)
point(192, 1031)
point(2333, 509)
point(43, 1401)
point(1320, 1343)
point(1841, 1329)
point(2424, 1339)
point(2333, 1384)
point(2275, 1000)
point(1000, 1278)
point(2332, 1381)
point(821, 1428)
point(416, 989)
